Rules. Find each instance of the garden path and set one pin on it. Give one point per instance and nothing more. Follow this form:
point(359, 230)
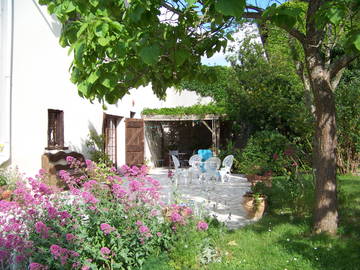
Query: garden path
point(224, 200)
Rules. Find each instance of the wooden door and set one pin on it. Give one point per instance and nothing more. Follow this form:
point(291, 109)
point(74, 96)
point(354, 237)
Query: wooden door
point(134, 141)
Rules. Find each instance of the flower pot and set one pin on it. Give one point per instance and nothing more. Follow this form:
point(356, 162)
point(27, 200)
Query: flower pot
point(5, 194)
point(254, 205)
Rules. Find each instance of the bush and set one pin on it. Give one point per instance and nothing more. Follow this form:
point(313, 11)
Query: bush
point(108, 219)
point(266, 151)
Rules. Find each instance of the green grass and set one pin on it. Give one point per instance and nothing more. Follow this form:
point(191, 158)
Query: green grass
point(283, 241)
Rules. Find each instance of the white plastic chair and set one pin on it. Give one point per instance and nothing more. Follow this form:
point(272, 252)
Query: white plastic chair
point(178, 171)
point(226, 168)
point(194, 171)
point(212, 166)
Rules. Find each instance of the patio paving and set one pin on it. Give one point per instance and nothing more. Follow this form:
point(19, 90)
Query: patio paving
point(223, 200)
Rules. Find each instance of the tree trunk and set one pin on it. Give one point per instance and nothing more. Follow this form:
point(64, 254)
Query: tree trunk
point(325, 212)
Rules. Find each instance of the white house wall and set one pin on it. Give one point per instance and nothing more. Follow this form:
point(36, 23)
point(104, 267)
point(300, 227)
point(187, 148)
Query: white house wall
point(41, 82)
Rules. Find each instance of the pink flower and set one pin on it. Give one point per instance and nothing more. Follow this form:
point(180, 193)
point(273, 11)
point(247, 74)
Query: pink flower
point(106, 228)
point(176, 217)
point(55, 250)
point(275, 156)
point(159, 234)
point(118, 191)
point(139, 223)
point(85, 267)
point(89, 197)
point(69, 159)
point(105, 250)
point(143, 229)
point(135, 185)
point(202, 226)
point(37, 266)
point(70, 236)
point(42, 229)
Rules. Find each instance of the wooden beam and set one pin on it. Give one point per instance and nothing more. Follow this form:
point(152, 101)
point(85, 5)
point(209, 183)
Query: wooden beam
point(206, 125)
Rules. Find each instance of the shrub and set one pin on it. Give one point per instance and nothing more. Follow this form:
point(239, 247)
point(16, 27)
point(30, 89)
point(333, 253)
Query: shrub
point(109, 219)
point(270, 153)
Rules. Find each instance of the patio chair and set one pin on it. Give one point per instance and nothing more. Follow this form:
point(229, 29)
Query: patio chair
point(212, 166)
point(226, 167)
point(171, 153)
point(179, 173)
point(195, 170)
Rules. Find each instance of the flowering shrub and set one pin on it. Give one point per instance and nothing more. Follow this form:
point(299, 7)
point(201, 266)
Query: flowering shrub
point(107, 219)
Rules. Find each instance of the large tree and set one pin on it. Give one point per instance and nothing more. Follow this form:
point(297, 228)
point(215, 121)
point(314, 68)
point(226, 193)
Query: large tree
point(121, 44)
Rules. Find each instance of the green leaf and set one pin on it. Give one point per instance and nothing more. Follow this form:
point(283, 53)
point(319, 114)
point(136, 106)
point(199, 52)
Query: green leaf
point(356, 41)
point(336, 14)
point(93, 77)
point(135, 15)
point(101, 29)
point(84, 88)
point(190, 2)
point(103, 41)
point(150, 54)
point(94, 3)
point(230, 7)
point(79, 50)
point(180, 56)
point(82, 29)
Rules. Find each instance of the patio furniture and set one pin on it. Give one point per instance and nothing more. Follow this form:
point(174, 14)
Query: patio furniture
point(226, 167)
point(205, 154)
point(212, 166)
point(194, 171)
point(173, 153)
point(179, 173)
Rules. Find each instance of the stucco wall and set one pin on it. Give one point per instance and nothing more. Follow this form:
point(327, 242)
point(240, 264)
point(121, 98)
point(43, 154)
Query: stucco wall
point(41, 82)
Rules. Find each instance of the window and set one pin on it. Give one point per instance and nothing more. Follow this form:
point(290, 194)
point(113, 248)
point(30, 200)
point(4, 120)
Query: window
point(132, 114)
point(110, 135)
point(55, 130)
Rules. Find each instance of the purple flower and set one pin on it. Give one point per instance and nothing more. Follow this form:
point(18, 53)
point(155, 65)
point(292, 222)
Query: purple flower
point(202, 226)
point(106, 228)
point(70, 236)
point(55, 250)
point(105, 250)
point(42, 229)
point(37, 266)
point(176, 217)
point(69, 159)
point(139, 223)
point(89, 197)
point(143, 229)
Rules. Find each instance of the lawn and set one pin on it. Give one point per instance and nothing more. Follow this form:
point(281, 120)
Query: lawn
point(281, 241)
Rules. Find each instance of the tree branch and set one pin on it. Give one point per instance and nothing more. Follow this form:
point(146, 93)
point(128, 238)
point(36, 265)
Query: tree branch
point(252, 15)
point(297, 34)
point(341, 63)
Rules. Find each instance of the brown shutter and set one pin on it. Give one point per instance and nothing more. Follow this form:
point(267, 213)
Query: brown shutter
point(134, 141)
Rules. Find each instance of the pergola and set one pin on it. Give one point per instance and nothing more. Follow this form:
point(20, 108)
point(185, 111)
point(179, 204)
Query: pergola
point(214, 128)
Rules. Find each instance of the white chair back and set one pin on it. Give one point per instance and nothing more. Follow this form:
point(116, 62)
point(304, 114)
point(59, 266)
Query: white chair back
point(195, 161)
point(176, 162)
point(212, 164)
point(228, 162)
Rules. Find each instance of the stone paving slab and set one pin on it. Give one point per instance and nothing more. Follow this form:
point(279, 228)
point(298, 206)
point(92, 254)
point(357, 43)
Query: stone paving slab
point(223, 200)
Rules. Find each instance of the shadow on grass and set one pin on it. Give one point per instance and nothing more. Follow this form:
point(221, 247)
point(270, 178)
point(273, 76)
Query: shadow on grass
point(324, 252)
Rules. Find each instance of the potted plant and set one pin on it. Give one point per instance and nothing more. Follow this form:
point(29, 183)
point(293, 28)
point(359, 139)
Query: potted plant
point(8, 179)
point(254, 201)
